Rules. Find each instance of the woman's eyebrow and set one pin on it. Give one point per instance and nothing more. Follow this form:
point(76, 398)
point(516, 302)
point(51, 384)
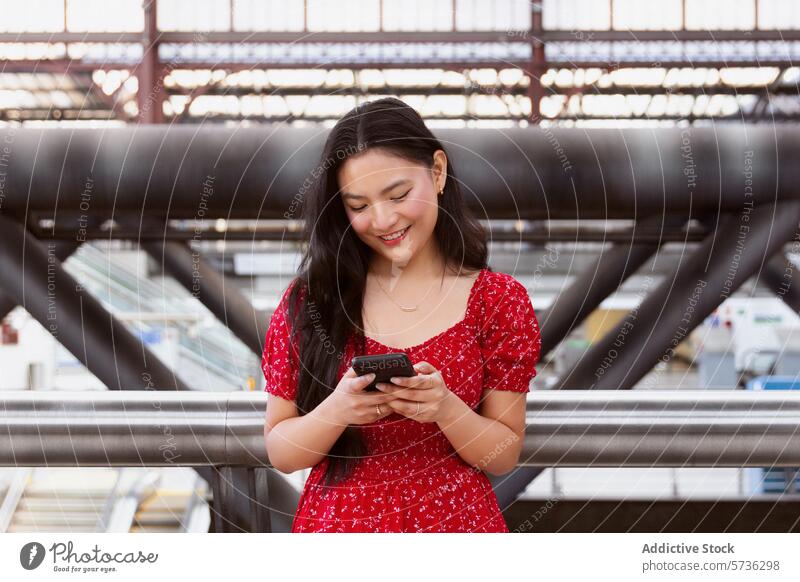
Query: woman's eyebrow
point(388, 188)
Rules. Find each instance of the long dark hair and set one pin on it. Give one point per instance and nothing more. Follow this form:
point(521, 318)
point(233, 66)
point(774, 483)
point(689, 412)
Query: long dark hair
point(325, 303)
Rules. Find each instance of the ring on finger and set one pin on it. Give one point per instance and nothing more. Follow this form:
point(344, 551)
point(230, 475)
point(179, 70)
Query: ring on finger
point(378, 409)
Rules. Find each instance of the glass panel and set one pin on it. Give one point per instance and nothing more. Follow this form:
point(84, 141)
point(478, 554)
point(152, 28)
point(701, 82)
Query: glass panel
point(272, 15)
point(95, 16)
point(652, 15)
point(576, 15)
point(779, 14)
point(35, 16)
point(720, 14)
point(191, 15)
point(350, 16)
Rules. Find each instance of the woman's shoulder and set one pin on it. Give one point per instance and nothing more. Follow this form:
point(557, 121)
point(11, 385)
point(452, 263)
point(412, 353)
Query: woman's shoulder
point(506, 309)
point(499, 296)
point(497, 286)
point(283, 302)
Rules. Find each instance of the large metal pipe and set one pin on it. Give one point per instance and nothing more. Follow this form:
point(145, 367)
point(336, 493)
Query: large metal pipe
point(736, 251)
point(530, 173)
point(778, 275)
point(63, 249)
point(35, 279)
point(597, 428)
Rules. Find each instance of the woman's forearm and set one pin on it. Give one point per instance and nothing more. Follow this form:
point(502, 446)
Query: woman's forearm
point(303, 441)
point(484, 443)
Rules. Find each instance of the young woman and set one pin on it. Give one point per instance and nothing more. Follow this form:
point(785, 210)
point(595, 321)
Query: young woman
point(394, 263)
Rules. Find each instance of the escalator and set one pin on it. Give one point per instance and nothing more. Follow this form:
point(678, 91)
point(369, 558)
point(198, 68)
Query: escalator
point(75, 500)
point(180, 330)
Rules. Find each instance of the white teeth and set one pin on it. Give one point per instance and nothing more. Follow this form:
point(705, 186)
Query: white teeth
point(394, 236)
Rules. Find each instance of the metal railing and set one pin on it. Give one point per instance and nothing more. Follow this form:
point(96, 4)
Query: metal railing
point(226, 431)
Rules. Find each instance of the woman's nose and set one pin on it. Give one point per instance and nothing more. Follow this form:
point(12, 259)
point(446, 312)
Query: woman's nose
point(383, 217)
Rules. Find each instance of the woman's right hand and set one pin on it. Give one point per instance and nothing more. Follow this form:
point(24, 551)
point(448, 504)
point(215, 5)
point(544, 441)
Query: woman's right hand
point(350, 404)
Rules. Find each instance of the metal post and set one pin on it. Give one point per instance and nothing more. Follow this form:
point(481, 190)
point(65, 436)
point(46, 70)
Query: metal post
point(538, 64)
point(507, 488)
point(150, 94)
point(222, 488)
point(258, 488)
point(278, 499)
point(231, 487)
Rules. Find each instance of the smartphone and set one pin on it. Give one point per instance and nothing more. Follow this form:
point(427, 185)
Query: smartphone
point(384, 366)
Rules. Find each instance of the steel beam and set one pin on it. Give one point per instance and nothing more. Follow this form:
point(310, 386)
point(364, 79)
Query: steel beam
point(477, 89)
point(34, 278)
point(224, 487)
point(150, 94)
point(536, 234)
point(63, 249)
point(778, 275)
point(736, 251)
point(412, 37)
point(590, 288)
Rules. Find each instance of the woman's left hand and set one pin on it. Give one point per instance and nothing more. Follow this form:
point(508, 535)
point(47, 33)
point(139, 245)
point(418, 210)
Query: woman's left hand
point(424, 397)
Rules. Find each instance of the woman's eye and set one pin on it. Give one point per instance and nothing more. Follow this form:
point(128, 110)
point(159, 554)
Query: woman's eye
point(360, 208)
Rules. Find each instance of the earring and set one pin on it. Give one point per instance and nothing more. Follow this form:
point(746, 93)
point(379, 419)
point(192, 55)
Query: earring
point(441, 191)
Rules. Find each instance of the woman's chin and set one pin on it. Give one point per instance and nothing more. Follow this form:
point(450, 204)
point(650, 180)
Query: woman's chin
point(400, 254)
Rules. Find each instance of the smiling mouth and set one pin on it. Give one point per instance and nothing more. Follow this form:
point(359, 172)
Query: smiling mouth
point(395, 235)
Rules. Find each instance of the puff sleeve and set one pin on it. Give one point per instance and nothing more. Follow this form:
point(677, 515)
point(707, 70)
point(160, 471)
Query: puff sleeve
point(510, 340)
point(280, 358)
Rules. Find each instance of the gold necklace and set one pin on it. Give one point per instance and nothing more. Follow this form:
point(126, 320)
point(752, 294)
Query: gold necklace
point(406, 309)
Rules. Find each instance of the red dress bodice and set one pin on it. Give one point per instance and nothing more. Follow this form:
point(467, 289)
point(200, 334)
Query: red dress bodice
point(412, 479)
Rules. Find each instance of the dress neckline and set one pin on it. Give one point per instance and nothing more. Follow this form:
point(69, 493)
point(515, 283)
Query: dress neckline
point(459, 323)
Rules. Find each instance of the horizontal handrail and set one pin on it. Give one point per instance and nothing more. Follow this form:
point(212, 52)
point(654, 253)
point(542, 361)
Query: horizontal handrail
point(570, 428)
point(132, 428)
point(719, 428)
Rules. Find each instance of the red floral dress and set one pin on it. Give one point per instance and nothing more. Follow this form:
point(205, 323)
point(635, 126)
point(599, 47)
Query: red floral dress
point(412, 479)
